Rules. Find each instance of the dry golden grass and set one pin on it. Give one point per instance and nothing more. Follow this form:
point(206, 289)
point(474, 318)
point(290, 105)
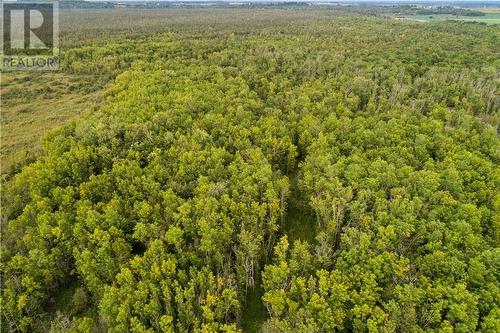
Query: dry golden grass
point(32, 104)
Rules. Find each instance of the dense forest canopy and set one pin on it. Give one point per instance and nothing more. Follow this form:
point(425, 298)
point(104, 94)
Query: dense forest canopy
point(341, 167)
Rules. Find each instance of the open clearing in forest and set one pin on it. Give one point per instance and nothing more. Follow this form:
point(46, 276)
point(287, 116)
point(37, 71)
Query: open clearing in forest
point(32, 105)
point(489, 18)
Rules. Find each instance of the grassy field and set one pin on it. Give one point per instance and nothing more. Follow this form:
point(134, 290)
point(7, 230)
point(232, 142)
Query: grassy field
point(489, 18)
point(32, 105)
